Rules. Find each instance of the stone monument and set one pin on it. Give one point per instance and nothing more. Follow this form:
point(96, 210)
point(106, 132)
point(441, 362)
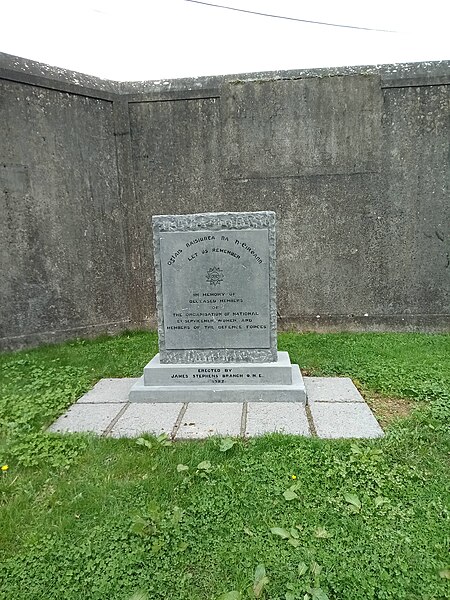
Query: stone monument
point(215, 277)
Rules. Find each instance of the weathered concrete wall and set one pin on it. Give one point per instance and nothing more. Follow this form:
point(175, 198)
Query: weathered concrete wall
point(354, 161)
point(355, 164)
point(64, 249)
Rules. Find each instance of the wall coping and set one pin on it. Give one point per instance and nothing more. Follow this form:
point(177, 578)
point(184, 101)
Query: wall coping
point(14, 68)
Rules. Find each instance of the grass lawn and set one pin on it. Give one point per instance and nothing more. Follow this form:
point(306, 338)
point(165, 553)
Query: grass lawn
point(277, 517)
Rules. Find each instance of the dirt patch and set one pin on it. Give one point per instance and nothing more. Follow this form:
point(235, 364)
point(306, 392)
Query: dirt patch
point(386, 409)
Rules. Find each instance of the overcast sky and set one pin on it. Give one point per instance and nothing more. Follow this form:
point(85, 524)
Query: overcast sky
point(166, 39)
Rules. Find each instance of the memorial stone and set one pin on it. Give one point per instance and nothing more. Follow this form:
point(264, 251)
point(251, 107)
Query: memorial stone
point(215, 276)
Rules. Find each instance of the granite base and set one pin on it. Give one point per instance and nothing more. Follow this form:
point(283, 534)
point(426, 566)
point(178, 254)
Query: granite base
point(278, 381)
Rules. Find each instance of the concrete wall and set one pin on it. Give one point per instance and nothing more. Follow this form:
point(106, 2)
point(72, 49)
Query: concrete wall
point(354, 161)
point(64, 234)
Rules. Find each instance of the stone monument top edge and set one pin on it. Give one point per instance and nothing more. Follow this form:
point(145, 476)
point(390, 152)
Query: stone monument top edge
point(215, 221)
point(222, 213)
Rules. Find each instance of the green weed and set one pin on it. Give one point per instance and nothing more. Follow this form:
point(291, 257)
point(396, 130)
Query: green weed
point(277, 517)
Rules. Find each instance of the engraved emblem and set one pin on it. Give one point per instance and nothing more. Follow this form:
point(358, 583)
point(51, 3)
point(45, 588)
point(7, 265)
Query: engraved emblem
point(214, 276)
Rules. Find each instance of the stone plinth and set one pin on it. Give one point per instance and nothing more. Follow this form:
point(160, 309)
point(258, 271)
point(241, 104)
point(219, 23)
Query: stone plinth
point(278, 381)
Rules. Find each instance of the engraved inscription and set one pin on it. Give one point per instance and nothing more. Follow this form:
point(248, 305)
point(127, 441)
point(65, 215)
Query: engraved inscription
point(215, 289)
point(217, 375)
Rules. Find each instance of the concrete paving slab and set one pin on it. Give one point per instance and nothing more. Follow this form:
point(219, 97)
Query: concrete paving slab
point(283, 417)
point(344, 420)
point(109, 390)
point(337, 410)
point(204, 419)
point(87, 417)
point(142, 418)
point(331, 389)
